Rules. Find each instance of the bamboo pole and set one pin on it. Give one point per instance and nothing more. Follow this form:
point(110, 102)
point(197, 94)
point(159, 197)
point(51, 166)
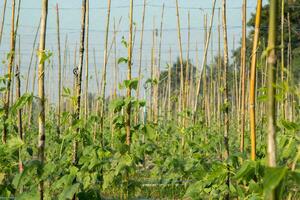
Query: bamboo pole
point(3, 19)
point(102, 109)
point(243, 64)
point(272, 60)
point(187, 69)
point(204, 58)
point(10, 68)
point(18, 93)
point(41, 91)
point(31, 57)
point(86, 102)
point(158, 67)
point(33, 89)
point(78, 81)
point(219, 71)
point(169, 84)
point(128, 109)
point(226, 102)
point(115, 64)
point(181, 99)
point(141, 57)
point(253, 80)
point(282, 56)
point(59, 70)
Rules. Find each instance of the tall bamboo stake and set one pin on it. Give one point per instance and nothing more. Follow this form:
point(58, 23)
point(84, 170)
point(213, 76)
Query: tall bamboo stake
point(158, 68)
point(169, 84)
point(102, 109)
point(86, 96)
point(10, 68)
point(187, 69)
point(18, 94)
point(253, 79)
point(128, 109)
point(272, 60)
point(141, 57)
point(181, 103)
point(3, 19)
point(115, 64)
point(41, 91)
point(31, 57)
point(226, 102)
point(282, 55)
point(243, 62)
point(204, 58)
point(59, 70)
point(79, 75)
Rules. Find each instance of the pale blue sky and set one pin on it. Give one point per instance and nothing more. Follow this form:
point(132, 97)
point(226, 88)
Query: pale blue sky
point(70, 14)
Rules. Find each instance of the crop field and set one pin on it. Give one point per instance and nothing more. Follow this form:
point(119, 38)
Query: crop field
point(144, 99)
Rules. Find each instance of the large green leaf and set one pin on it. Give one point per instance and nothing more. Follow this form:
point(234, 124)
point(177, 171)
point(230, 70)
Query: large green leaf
point(273, 177)
point(69, 191)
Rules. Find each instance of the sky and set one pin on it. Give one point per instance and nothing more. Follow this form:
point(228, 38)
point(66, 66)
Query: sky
point(70, 14)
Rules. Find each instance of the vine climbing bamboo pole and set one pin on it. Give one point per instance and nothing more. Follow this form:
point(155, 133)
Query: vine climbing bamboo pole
point(128, 109)
point(41, 91)
point(10, 68)
point(59, 70)
point(140, 58)
point(253, 80)
point(226, 102)
point(3, 19)
point(86, 96)
point(18, 93)
point(15, 39)
point(102, 108)
point(243, 65)
point(19, 112)
point(78, 77)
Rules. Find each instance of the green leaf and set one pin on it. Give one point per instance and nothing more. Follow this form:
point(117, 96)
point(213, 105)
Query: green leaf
point(247, 171)
point(108, 179)
point(122, 60)
point(44, 56)
point(273, 177)
point(69, 192)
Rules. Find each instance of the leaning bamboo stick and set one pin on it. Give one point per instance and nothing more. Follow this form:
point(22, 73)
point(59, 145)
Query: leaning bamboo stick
point(102, 108)
point(3, 19)
point(181, 103)
point(86, 96)
point(253, 79)
point(204, 58)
